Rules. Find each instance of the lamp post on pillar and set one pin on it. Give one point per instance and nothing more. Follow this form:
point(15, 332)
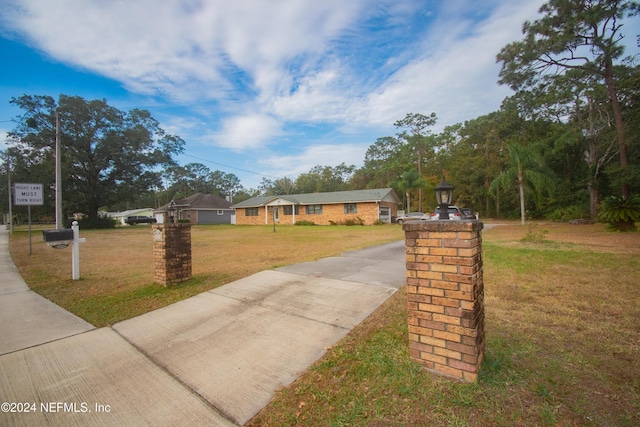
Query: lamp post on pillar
point(444, 196)
point(172, 210)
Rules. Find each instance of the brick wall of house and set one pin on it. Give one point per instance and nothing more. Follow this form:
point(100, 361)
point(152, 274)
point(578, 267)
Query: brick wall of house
point(188, 215)
point(368, 212)
point(243, 219)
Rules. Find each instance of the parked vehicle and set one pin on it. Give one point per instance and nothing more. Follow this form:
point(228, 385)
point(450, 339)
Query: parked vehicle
point(467, 213)
point(137, 219)
point(413, 216)
point(455, 214)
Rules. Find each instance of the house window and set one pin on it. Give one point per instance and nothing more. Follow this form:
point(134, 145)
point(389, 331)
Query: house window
point(350, 208)
point(314, 210)
point(288, 210)
point(385, 214)
point(251, 212)
point(220, 212)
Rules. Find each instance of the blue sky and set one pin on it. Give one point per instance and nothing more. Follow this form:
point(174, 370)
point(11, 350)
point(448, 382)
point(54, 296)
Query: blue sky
point(264, 88)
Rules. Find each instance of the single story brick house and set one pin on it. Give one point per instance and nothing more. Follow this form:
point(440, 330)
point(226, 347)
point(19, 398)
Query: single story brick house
point(198, 208)
point(370, 206)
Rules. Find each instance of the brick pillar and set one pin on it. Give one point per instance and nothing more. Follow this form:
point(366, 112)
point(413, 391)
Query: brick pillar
point(172, 253)
point(445, 295)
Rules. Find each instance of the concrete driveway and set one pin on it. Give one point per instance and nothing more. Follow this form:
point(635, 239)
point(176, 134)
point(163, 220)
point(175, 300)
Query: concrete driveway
point(214, 359)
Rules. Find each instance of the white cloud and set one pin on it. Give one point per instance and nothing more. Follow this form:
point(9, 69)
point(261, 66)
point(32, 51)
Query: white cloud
point(332, 155)
point(453, 73)
point(187, 50)
point(318, 96)
point(241, 133)
point(457, 78)
point(187, 127)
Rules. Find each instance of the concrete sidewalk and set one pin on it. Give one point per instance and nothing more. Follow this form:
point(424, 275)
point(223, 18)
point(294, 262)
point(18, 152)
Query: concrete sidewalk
point(213, 359)
point(26, 318)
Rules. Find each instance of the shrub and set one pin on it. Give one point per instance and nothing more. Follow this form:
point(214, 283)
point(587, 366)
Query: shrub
point(533, 235)
point(569, 212)
point(96, 223)
point(350, 221)
point(305, 222)
point(620, 213)
point(354, 221)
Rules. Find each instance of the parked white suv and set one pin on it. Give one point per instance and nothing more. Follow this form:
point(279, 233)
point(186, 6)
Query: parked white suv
point(413, 216)
point(455, 214)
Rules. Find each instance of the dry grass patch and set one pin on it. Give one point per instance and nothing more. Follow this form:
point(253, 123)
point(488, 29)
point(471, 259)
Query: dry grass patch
point(117, 265)
point(563, 346)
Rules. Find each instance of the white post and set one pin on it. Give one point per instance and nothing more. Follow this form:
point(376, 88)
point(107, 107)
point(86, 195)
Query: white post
point(75, 251)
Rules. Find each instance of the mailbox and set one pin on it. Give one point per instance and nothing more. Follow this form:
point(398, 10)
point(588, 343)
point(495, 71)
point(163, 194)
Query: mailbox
point(58, 238)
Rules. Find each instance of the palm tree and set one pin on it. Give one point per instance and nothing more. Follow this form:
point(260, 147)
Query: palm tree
point(525, 167)
point(410, 181)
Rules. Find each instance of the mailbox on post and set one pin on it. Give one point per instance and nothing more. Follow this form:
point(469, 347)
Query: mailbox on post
point(58, 239)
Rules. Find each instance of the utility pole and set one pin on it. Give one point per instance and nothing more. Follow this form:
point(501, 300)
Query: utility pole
point(9, 188)
point(59, 219)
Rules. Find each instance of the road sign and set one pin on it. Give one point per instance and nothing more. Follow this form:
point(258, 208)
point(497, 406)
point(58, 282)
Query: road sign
point(27, 194)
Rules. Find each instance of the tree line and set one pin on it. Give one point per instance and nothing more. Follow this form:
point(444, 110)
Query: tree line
point(566, 141)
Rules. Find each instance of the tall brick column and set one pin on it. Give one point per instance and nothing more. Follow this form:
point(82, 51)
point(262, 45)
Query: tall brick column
point(445, 295)
point(172, 253)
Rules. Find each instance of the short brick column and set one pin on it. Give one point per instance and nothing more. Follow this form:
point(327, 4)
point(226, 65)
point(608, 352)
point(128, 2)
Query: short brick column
point(172, 253)
point(445, 295)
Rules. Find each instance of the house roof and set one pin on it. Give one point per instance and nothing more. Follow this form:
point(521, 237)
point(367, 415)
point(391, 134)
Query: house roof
point(353, 196)
point(198, 201)
point(128, 212)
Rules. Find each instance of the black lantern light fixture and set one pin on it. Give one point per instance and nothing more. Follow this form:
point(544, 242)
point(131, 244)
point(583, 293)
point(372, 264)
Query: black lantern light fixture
point(172, 210)
point(444, 195)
